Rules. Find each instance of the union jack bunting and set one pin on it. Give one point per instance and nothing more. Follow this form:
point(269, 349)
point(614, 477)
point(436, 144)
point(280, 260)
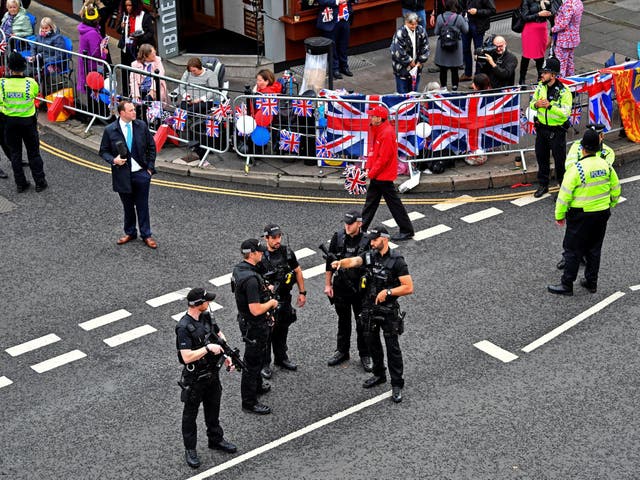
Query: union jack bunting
point(289, 141)
point(213, 127)
point(240, 110)
point(526, 126)
point(302, 108)
point(322, 151)
point(576, 115)
point(154, 111)
point(472, 123)
point(179, 119)
point(355, 181)
point(268, 105)
point(327, 15)
point(223, 110)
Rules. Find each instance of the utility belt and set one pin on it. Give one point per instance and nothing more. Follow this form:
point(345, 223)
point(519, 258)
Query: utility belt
point(389, 318)
point(582, 210)
point(193, 375)
point(552, 128)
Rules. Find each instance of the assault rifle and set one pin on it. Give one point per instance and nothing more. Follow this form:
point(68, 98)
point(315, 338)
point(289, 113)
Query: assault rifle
point(232, 353)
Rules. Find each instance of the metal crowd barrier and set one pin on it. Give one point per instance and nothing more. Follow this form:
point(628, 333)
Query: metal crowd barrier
point(194, 115)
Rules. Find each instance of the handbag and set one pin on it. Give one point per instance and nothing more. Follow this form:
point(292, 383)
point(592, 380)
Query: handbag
point(517, 20)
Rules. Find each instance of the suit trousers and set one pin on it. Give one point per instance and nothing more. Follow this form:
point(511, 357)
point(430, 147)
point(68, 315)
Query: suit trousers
point(136, 204)
point(383, 188)
point(550, 141)
point(208, 393)
point(16, 131)
point(583, 238)
point(340, 37)
point(467, 54)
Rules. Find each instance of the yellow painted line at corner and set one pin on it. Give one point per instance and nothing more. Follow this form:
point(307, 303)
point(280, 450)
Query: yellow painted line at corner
point(277, 196)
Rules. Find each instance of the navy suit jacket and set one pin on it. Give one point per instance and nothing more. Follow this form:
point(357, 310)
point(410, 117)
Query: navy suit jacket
point(143, 150)
point(330, 25)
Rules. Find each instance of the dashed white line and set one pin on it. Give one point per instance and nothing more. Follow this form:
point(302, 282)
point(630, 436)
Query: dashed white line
point(621, 199)
point(129, 335)
point(635, 287)
point(292, 436)
point(104, 320)
point(222, 280)
point(452, 204)
point(630, 179)
point(5, 382)
point(412, 216)
point(213, 306)
point(58, 361)
point(168, 298)
point(495, 351)
point(574, 321)
point(33, 345)
point(392, 245)
point(314, 271)
point(529, 199)
point(431, 232)
point(304, 252)
point(481, 215)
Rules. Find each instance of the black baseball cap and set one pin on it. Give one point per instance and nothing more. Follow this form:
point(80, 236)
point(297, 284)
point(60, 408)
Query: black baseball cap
point(590, 140)
point(352, 216)
point(271, 230)
point(598, 127)
point(252, 245)
point(197, 296)
point(378, 232)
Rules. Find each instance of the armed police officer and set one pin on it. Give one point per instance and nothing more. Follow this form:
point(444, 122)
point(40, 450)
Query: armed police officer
point(589, 190)
point(342, 288)
point(255, 304)
point(197, 350)
point(387, 278)
point(574, 154)
point(551, 103)
point(279, 266)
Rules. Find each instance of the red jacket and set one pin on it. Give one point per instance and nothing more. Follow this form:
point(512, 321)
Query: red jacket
point(382, 161)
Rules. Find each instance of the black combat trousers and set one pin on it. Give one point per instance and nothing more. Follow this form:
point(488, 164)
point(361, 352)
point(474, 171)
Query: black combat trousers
point(394, 356)
point(279, 333)
point(208, 392)
point(583, 238)
point(256, 334)
point(550, 140)
point(344, 306)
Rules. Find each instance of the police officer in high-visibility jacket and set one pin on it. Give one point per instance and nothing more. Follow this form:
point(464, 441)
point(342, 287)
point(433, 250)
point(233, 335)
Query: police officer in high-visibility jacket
point(575, 152)
point(17, 94)
point(551, 103)
point(589, 189)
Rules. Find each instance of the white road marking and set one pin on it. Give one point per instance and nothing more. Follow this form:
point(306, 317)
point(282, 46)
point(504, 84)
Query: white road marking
point(292, 436)
point(104, 320)
point(412, 216)
point(222, 280)
point(314, 271)
point(213, 306)
point(495, 351)
point(5, 382)
point(529, 199)
point(168, 298)
point(452, 204)
point(630, 179)
point(430, 232)
point(621, 199)
point(33, 345)
point(304, 252)
point(393, 245)
point(574, 321)
point(481, 215)
point(635, 287)
point(129, 335)
point(58, 361)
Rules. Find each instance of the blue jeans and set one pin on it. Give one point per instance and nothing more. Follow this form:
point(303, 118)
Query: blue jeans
point(422, 17)
point(403, 85)
point(478, 38)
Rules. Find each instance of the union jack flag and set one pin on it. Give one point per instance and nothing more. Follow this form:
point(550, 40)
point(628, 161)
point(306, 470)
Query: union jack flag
point(213, 127)
point(268, 105)
point(576, 84)
point(600, 102)
point(289, 141)
point(327, 15)
point(322, 151)
point(526, 126)
point(576, 115)
point(240, 110)
point(223, 110)
point(179, 119)
point(302, 108)
point(404, 115)
point(355, 181)
point(472, 123)
point(343, 12)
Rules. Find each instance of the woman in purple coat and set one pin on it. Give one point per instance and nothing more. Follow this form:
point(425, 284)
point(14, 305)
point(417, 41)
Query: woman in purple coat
point(91, 43)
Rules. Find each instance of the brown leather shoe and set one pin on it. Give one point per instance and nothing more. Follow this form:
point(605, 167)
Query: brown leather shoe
point(151, 243)
point(125, 239)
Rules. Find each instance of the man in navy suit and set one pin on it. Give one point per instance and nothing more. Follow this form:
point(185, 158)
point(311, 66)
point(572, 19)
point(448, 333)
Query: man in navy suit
point(334, 19)
point(128, 146)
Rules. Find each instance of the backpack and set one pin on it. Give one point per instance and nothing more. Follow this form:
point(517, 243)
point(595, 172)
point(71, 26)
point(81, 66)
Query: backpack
point(449, 35)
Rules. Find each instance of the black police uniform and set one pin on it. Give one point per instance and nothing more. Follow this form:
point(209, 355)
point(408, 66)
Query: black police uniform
point(249, 287)
point(346, 291)
point(277, 268)
point(200, 380)
point(383, 272)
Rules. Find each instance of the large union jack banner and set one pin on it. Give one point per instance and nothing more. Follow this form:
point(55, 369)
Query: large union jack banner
point(472, 123)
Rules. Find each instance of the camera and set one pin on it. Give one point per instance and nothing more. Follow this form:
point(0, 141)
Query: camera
point(485, 50)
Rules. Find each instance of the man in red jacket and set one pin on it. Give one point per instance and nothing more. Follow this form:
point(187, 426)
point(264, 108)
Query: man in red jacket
point(382, 170)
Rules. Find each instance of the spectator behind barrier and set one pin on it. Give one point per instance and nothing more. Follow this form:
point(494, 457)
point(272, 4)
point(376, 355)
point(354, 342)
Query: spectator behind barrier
point(3, 6)
point(497, 62)
point(15, 21)
point(90, 43)
point(136, 29)
point(42, 55)
point(266, 82)
point(480, 82)
point(143, 87)
point(535, 35)
point(191, 97)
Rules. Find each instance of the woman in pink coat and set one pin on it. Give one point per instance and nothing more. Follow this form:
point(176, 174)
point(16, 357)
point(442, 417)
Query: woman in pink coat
point(566, 31)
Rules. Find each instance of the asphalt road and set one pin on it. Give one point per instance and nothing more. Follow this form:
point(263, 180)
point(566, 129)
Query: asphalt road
point(566, 409)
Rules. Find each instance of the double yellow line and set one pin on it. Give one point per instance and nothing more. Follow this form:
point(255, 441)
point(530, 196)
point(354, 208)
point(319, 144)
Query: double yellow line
point(276, 196)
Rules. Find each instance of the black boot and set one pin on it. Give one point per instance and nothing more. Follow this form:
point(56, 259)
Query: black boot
point(591, 286)
point(542, 189)
point(191, 456)
point(560, 289)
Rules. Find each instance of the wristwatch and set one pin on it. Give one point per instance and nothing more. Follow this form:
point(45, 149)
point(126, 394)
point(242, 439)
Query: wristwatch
point(389, 292)
point(303, 292)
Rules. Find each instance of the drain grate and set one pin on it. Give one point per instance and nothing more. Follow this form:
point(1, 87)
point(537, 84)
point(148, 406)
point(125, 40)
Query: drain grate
point(5, 205)
point(356, 62)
